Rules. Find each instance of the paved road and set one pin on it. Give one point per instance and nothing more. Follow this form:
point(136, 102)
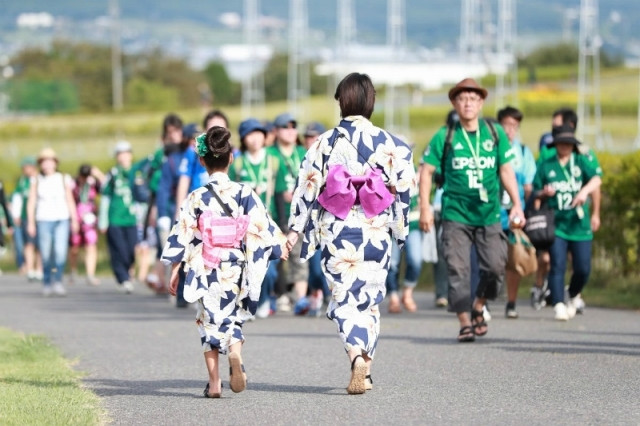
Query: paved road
point(143, 358)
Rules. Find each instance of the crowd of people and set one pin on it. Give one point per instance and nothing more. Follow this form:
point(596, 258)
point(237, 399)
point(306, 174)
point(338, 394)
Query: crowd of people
point(297, 221)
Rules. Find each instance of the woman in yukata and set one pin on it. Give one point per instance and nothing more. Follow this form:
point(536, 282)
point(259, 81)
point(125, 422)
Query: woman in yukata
point(224, 239)
point(351, 199)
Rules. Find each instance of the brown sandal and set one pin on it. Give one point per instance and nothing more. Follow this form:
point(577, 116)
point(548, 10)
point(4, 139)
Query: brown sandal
point(237, 376)
point(358, 374)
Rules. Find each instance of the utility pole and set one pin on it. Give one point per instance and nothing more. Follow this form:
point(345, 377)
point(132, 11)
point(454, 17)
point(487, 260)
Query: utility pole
point(589, 112)
point(298, 68)
point(346, 37)
point(116, 56)
point(470, 34)
point(396, 113)
point(507, 81)
point(253, 84)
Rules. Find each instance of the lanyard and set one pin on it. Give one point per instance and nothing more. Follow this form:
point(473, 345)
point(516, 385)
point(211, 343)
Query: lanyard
point(474, 153)
point(293, 165)
point(257, 180)
point(569, 176)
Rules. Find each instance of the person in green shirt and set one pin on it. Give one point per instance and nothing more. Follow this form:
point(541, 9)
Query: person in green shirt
point(563, 117)
point(474, 163)
point(565, 181)
point(117, 216)
point(27, 256)
point(259, 168)
point(290, 152)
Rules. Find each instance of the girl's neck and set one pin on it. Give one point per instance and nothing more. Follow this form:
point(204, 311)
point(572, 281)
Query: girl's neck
point(286, 148)
point(256, 156)
point(563, 159)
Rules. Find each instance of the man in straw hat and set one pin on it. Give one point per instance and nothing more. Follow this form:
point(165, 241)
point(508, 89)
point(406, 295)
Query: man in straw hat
point(473, 159)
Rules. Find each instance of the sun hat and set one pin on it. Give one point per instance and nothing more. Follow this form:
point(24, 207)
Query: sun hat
point(468, 84)
point(47, 154)
point(250, 125)
point(190, 131)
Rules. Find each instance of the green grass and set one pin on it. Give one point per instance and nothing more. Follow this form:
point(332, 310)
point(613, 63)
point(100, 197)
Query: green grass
point(38, 386)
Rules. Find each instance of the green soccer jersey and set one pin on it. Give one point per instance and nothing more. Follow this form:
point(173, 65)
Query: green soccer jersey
point(261, 177)
point(550, 152)
point(22, 189)
point(288, 171)
point(121, 206)
point(573, 224)
point(471, 173)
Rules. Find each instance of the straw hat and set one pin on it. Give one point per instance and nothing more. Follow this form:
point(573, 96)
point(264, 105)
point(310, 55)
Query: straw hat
point(47, 154)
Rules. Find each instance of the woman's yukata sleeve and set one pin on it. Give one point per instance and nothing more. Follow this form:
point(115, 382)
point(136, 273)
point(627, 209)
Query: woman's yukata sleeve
point(182, 232)
point(310, 180)
point(264, 241)
point(406, 187)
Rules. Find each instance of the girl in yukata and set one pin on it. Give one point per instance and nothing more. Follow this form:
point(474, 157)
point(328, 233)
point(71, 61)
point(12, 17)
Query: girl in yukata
point(351, 200)
point(223, 239)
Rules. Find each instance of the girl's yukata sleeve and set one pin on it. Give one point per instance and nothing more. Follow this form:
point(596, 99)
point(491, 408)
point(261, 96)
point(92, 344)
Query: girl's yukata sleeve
point(304, 204)
point(264, 242)
point(182, 233)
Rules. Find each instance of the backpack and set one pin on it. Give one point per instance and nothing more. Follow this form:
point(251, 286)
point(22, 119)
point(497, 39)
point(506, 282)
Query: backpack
point(139, 178)
point(439, 177)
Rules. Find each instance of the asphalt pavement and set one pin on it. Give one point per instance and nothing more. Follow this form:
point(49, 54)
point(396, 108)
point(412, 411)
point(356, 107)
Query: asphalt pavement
point(143, 358)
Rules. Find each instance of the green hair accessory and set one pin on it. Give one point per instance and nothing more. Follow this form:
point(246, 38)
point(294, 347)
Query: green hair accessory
point(201, 145)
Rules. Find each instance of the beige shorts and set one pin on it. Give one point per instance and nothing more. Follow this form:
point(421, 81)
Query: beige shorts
point(294, 269)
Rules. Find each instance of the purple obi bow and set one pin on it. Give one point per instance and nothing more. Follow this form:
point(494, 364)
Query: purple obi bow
point(342, 191)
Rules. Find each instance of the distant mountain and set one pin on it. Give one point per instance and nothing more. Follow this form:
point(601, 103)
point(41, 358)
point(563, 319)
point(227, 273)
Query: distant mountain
point(430, 23)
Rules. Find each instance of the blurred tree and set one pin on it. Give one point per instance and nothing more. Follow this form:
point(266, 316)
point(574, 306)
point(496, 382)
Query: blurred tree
point(156, 67)
point(275, 79)
point(225, 91)
point(141, 94)
point(42, 95)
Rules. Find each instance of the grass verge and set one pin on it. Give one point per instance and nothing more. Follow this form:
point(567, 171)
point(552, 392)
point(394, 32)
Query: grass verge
point(38, 386)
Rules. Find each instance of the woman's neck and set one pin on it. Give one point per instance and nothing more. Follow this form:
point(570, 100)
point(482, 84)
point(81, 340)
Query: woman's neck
point(256, 156)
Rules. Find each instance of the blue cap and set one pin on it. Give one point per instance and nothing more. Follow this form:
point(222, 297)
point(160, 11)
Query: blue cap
point(283, 120)
point(28, 161)
point(250, 125)
point(314, 129)
point(546, 140)
point(190, 131)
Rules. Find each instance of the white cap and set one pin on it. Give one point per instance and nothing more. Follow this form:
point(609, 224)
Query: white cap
point(122, 146)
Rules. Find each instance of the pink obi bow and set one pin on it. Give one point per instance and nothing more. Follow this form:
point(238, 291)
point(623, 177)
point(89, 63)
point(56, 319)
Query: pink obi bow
point(220, 232)
point(342, 191)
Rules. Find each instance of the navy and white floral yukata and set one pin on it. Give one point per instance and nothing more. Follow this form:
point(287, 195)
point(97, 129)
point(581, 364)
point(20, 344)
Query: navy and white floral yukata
point(228, 295)
point(355, 251)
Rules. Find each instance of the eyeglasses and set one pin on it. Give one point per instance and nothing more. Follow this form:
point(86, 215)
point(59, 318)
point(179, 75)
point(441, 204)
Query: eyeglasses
point(288, 126)
point(468, 99)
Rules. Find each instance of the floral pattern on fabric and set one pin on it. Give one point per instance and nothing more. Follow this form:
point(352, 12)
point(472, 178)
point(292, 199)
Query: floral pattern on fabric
point(355, 251)
point(227, 295)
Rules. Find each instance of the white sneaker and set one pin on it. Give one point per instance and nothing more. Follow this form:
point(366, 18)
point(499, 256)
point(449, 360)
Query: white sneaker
point(47, 291)
point(561, 312)
point(571, 308)
point(59, 290)
point(283, 304)
point(579, 304)
point(126, 286)
point(486, 314)
point(264, 309)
